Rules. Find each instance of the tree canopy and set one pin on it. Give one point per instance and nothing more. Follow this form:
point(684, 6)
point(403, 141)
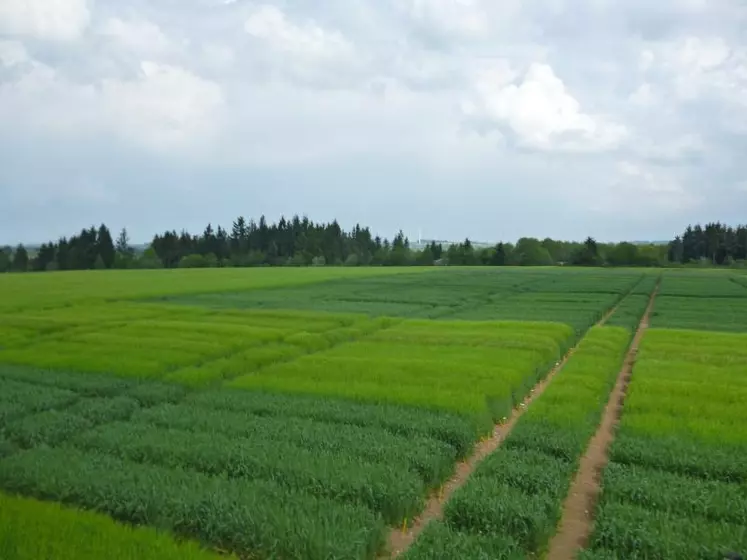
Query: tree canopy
point(298, 241)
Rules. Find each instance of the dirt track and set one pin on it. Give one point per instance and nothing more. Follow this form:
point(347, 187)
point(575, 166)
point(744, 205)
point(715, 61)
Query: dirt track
point(577, 520)
point(400, 540)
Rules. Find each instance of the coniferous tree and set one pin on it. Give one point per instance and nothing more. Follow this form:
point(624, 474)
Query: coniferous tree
point(20, 259)
point(105, 246)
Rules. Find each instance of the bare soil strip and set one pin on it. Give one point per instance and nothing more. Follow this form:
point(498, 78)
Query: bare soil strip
point(577, 521)
point(400, 540)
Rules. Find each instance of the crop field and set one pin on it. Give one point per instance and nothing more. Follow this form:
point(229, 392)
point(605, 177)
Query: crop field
point(512, 503)
point(702, 302)
point(306, 413)
point(676, 486)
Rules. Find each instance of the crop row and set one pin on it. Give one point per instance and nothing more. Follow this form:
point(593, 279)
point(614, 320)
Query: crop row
point(511, 505)
point(253, 473)
point(38, 407)
point(24, 292)
point(477, 368)
point(403, 295)
point(580, 311)
point(30, 530)
point(450, 294)
point(712, 314)
point(712, 284)
point(244, 516)
point(630, 310)
point(676, 486)
point(178, 347)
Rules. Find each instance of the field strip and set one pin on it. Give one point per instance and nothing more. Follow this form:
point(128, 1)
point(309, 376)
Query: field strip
point(577, 519)
point(614, 308)
point(332, 344)
point(400, 539)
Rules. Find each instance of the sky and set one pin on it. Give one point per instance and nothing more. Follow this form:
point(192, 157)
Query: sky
point(484, 119)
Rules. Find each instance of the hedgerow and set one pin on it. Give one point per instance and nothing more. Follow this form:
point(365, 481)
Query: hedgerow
point(245, 517)
point(30, 530)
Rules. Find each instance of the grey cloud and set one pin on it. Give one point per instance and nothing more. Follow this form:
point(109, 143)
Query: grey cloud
point(376, 130)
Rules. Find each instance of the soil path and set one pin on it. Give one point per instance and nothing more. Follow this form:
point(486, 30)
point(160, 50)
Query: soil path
point(577, 520)
point(401, 539)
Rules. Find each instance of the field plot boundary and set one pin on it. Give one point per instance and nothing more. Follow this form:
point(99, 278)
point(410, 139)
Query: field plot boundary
point(576, 523)
point(400, 539)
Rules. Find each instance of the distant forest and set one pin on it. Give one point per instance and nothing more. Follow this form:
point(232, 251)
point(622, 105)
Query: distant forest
point(301, 242)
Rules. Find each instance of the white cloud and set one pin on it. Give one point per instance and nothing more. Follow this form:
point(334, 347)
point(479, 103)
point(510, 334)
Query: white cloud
point(166, 107)
point(560, 92)
point(449, 18)
point(218, 56)
point(304, 52)
point(45, 19)
point(309, 40)
point(539, 111)
point(644, 96)
point(136, 35)
point(696, 66)
point(646, 192)
point(12, 53)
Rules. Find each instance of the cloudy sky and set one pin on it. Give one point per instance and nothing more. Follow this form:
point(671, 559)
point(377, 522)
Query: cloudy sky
point(481, 118)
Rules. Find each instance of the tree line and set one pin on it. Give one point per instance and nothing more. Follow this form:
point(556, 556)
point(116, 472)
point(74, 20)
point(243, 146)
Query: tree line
point(715, 244)
point(302, 242)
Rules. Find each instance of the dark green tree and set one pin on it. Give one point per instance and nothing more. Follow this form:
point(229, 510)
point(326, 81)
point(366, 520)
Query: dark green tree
point(5, 259)
point(499, 255)
point(105, 244)
point(20, 259)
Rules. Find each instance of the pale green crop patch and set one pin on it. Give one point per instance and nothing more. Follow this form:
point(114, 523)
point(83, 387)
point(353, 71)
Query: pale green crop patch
point(675, 486)
point(478, 368)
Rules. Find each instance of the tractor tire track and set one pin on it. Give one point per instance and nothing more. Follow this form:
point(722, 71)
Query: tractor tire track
point(577, 519)
point(400, 539)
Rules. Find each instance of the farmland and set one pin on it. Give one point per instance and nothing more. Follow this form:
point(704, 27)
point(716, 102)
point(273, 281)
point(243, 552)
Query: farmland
point(282, 413)
point(676, 485)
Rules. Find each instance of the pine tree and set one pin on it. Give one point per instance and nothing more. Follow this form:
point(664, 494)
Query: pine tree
point(20, 259)
point(105, 247)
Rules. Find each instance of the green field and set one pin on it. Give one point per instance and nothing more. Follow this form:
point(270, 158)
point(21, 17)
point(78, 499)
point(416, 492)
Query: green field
point(305, 413)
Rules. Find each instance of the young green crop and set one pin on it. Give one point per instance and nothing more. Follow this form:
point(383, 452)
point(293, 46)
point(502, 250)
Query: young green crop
point(516, 495)
point(18, 398)
point(31, 530)
point(431, 458)
point(393, 492)
point(701, 285)
point(58, 289)
point(675, 486)
point(481, 369)
point(245, 517)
